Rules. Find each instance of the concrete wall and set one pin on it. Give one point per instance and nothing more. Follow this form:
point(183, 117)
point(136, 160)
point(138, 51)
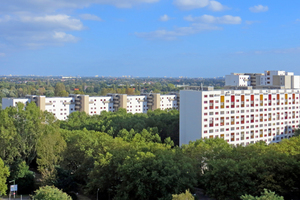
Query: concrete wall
point(156, 101)
point(295, 82)
point(40, 102)
point(7, 102)
point(288, 82)
point(84, 101)
point(190, 126)
point(123, 101)
point(276, 80)
point(232, 80)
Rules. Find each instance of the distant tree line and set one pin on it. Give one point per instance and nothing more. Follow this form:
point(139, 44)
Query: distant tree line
point(21, 86)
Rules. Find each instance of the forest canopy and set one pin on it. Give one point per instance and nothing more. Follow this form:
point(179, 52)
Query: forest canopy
point(136, 156)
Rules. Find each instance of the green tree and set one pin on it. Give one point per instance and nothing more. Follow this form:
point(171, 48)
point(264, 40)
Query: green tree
point(4, 173)
point(23, 177)
point(183, 196)
point(50, 193)
point(171, 86)
point(154, 175)
point(248, 170)
point(50, 146)
point(60, 90)
point(266, 195)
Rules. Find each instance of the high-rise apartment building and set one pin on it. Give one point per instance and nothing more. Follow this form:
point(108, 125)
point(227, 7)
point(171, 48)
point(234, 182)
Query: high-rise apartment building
point(242, 115)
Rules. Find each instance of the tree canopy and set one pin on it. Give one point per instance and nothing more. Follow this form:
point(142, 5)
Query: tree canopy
point(50, 193)
point(4, 173)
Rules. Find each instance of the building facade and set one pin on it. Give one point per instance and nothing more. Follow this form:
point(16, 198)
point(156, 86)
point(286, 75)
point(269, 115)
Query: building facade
point(271, 79)
point(240, 117)
point(62, 107)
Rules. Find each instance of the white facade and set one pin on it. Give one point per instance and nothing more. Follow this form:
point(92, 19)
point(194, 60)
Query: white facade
point(270, 78)
point(137, 104)
point(168, 102)
point(7, 102)
point(295, 81)
point(240, 117)
point(62, 107)
point(99, 104)
point(267, 78)
point(236, 79)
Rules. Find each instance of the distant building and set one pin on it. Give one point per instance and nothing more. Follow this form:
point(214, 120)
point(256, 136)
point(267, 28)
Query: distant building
point(271, 79)
point(61, 107)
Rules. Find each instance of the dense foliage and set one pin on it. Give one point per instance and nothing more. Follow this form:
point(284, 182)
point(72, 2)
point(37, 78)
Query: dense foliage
point(155, 125)
point(50, 193)
point(4, 173)
point(133, 156)
point(183, 196)
point(266, 195)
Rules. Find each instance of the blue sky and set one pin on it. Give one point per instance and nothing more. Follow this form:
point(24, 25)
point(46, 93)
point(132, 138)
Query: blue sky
point(156, 38)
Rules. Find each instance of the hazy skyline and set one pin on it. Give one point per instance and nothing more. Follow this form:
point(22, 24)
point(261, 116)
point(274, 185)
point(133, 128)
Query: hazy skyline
point(193, 38)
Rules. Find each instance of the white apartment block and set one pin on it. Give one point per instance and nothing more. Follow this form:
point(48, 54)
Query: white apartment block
point(62, 107)
point(271, 79)
point(236, 79)
point(240, 117)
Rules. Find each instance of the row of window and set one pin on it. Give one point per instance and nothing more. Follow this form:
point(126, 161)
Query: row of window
point(211, 123)
point(99, 108)
point(136, 110)
point(251, 110)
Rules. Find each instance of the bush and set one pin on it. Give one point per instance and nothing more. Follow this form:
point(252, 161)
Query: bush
point(183, 196)
point(51, 193)
point(266, 195)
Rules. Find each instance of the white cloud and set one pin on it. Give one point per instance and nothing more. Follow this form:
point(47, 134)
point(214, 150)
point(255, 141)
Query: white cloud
point(35, 23)
point(63, 37)
point(90, 17)
point(164, 18)
point(2, 54)
point(191, 4)
point(216, 6)
point(226, 19)
point(177, 32)
point(259, 8)
point(54, 22)
point(35, 31)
